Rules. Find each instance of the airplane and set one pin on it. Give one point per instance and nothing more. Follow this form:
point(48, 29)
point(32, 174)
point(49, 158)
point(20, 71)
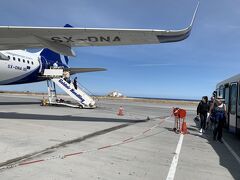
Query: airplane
point(18, 66)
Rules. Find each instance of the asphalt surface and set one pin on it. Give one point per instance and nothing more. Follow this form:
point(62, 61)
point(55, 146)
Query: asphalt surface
point(66, 143)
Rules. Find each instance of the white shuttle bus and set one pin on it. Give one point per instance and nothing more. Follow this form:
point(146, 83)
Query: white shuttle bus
point(229, 90)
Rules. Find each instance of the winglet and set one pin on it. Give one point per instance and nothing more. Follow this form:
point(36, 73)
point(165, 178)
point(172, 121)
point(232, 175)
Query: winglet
point(177, 35)
point(194, 15)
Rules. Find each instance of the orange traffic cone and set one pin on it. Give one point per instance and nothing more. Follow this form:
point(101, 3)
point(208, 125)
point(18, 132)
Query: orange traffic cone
point(120, 111)
point(184, 128)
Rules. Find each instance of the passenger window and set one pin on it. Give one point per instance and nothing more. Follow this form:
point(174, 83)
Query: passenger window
point(28, 61)
point(14, 58)
point(8, 57)
point(24, 60)
point(19, 60)
point(233, 98)
point(32, 63)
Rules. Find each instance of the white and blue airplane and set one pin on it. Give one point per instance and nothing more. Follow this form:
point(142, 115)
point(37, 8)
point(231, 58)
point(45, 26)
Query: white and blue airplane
point(18, 66)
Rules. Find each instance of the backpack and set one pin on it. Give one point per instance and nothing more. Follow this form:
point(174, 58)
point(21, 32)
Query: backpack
point(219, 115)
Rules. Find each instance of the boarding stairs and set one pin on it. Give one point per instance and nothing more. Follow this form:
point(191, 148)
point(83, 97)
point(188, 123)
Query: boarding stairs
point(55, 77)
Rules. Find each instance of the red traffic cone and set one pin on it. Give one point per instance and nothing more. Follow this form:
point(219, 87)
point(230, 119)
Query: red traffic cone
point(120, 111)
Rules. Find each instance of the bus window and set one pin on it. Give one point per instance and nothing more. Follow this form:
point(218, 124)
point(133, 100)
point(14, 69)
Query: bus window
point(217, 92)
point(233, 98)
point(220, 92)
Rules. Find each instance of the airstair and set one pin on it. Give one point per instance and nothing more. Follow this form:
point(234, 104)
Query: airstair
point(79, 94)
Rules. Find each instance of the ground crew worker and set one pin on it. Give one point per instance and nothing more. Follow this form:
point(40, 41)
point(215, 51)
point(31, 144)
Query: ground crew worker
point(202, 111)
point(220, 116)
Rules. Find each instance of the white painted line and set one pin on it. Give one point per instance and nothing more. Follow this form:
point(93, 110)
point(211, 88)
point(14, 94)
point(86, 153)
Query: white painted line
point(232, 151)
point(173, 167)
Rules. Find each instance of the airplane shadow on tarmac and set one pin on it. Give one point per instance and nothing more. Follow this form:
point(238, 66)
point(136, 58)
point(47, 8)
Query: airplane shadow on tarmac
point(24, 116)
point(226, 159)
point(18, 103)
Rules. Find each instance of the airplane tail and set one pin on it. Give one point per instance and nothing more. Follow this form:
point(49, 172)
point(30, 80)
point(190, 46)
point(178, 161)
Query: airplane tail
point(51, 57)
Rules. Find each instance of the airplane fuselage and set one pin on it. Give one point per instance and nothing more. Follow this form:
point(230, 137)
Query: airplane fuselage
point(22, 67)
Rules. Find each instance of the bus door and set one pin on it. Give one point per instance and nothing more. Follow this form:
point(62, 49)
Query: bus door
point(226, 97)
point(238, 112)
point(233, 107)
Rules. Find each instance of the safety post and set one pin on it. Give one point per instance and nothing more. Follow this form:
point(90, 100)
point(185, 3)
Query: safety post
point(176, 127)
point(180, 116)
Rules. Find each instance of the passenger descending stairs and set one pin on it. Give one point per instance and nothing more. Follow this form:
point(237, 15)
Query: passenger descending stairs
point(55, 77)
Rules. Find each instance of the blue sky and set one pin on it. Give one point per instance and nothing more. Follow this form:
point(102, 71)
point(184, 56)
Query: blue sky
point(186, 69)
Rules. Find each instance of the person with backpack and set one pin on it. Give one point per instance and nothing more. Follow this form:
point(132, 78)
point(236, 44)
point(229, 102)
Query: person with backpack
point(202, 111)
point(210, 118)
point(220, 116)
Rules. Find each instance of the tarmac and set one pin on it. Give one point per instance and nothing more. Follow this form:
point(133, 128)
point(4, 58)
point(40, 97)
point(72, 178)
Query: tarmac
point(62, 143)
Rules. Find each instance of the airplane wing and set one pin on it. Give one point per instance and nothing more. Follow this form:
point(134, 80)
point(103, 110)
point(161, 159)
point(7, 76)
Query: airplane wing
point(62, 40)
point(83, 70)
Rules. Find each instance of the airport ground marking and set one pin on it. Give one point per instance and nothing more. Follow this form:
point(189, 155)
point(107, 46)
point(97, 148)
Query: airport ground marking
point(173, 167)
point(232, 151)
point(126, 140)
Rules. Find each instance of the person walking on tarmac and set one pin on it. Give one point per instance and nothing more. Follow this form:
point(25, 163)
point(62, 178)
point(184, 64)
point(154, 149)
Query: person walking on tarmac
point(202, 111)
point(75, 83)
point(210, 118)
point(220, 116)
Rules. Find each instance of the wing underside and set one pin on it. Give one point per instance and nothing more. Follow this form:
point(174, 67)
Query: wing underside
point(62, 40)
